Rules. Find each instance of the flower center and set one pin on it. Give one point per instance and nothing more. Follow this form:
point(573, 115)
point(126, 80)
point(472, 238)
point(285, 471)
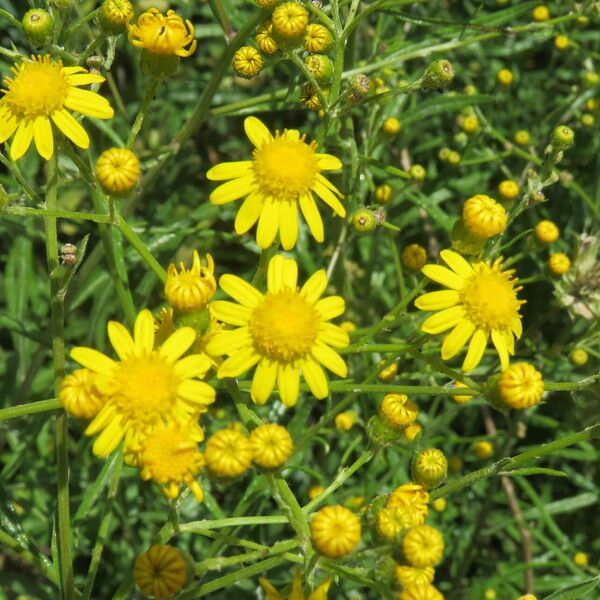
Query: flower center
point(284, 326)
point(490, 300)
point(285, 168)
point(147, 387)
point(39, 88)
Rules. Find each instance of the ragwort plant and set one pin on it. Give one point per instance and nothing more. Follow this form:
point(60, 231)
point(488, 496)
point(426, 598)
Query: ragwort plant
point(299, 300)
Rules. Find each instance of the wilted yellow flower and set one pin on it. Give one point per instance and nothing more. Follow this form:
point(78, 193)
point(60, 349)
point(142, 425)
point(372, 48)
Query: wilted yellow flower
point(160, 572)
point(521, 386)
point(78, 394)
point(117, 170)
point(423, 546)
point(228, 453)
point(271, 445)
point(335, 531)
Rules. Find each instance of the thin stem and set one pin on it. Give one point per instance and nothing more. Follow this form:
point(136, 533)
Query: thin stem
point(92, 48)
point(22, 211)
point(32, 408)
point(82, 21)
point(148, 97)
point(58, 358)
point(6, 15)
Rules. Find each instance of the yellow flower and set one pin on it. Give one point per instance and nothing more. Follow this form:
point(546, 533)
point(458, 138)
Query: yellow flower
point(483, 216)
point(414, 257)
point(348, 326)
point(117, 170)
point(581, 559)
point(290, 20)
point(578, 356)
point(470, 124)
point(423, 546)
point(387, 373)
point(264, 38)
point(411, 431)
point(411, 576)
point(39, 94)
point(481, 302)
point(191, 289)
point(78, 394)
point(483, 449)
point(412, 494)
point(521, 386)
point(317, 38)
point(320, 593)
point(160, 572)
point(508, 189)
point(345, 420)
point(461, 398)
point(228, 453)
point(247, 62)
point(439, 504)
point(546, 232)
point(559, 263)
point(430, 468)
point(335, 531)
point(504, 77)
point(146, 386)
point(383, 193)
point(169, 456)
point(398, 410)
point(314, 491)
point(561, 42)
point(391, 126)
point(163, 34)
point(286, 331)
point(540, 13)
point(393, 520)
point(283, 175)
point(490, 594)
point(115, 15)
point(271, 445)
point(522, 137)
point(420, 592)
point(310, 99)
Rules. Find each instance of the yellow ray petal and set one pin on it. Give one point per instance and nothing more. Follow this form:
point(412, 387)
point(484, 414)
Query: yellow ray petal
point(101, 420)
point(197, 392)
point(177, 344)
point(263, 381)
point(22, 139)
point(228, 342)
point(71, 128)
point(314, 286)
point(42, 135)
point(239, 362)
point(230, 170)
point(231, 313)
point(257, 131)
point(8, 124)
point(328, 162)
point(288, 224)
point(108, 440)
point(88, 103)
point(315, 378)
point(282, 274)
point(143, 333)
point(329, 198)
point(268, 224)
point(476, 350)
point(195, 365)
point(457, 263)
point(443, 276)
point(443, 320)
point(297, 593)
point(437, 300)
point(84, 79)
point(330, 307)
point(120, 339)
point(321, 592)
point(332, 335)
point(248, 213)
point(232, 190)
point(312, 216)
point(329, 358)
point(272, 593)
point(329, 185)
point(455, 341)
point(288, 382)
point(517, 327)
point(499, 342)
point(239, 290)
point(92, 359)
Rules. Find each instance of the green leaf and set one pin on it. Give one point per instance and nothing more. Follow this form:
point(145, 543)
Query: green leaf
point(533, 471)
point(443, 104)
point(575, 592)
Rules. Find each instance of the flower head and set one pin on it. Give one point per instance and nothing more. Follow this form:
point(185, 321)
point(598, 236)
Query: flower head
point(414, 257)
point(430, 468)
point(344, 421)
point(504, 77)
point(163, 34)
point(483, 449)
point(78, 394)
point(439, 504)
point(228, 453)
point(461, 398)
point(398, 410)
point(410, 576)
point(423, 546)
point(320, 592)
point(508, 189)
point(191, 289)
point(115, 15)
point(285, 331)
point(117, 170)
point(160, 572)
point(421, 592)
point(481, 302)
point(559, 263)
point(290, 20)
point(317, 38)
point(540, 13)
point(264, 38)
point(282, 176)
point(271, 445)
point(410, 432)
point(483, 216)
point(413, 494)
point(522, 137)
point(147, 386)
point(247, 62)
point(546, 232)
point(391, 126)
point(169, 456)
point(581, 559)
point(521, 386)
point(41, 92)
point(335, 531)
point(391, 521)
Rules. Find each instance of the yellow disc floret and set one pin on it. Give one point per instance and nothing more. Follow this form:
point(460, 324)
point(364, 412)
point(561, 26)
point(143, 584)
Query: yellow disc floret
point(335, 531)
point(483, 216)
point(271, 445)
point(228, 453)
point(521, 386)
point(160, 572)
point(117, 170)
point(423, 546)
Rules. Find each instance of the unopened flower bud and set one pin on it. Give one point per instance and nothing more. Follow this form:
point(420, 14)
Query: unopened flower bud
point(38, 26)
point(438, 75)
point(383, 193)
point(320, 67)
point(430, 468)
point(360, 84)
point(563, 138)
point(417, 172)
point(363, 220)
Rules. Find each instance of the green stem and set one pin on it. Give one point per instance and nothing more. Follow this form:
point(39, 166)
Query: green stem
point(30, 408)
point(58, 359)
point(426, 390)
point(82, 21)
point(304, 70)
point(22, 211)
point(210, 525)
point(147, 99)
point(92, 48)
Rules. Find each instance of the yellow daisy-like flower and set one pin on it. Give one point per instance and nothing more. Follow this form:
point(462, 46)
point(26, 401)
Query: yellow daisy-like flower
point(163, 34)
point(117, 170)
point(423, 546)
point(410, 576)
point(398, 410)
point(282, 176)
point(271, 445)
point(78, 394)
point(481, 303)
point(146, 386)
point(286, 331)
point(421, 592)
point(228, 453)
point(521, 386)
point(42, 92)
point(191, 289)
point(335, 531)
point(320, 593)
point(170, 457)
point(160, 572)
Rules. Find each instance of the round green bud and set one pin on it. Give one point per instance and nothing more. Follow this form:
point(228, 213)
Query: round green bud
point(438, 75)
point(454, 158)
point(320, 67)
point(563, 137)
point(461, 139)
point(363, 220)
point(444, 153)
point(38, 26)
point(360, 84)
point(578, 356)
point(417, 172)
